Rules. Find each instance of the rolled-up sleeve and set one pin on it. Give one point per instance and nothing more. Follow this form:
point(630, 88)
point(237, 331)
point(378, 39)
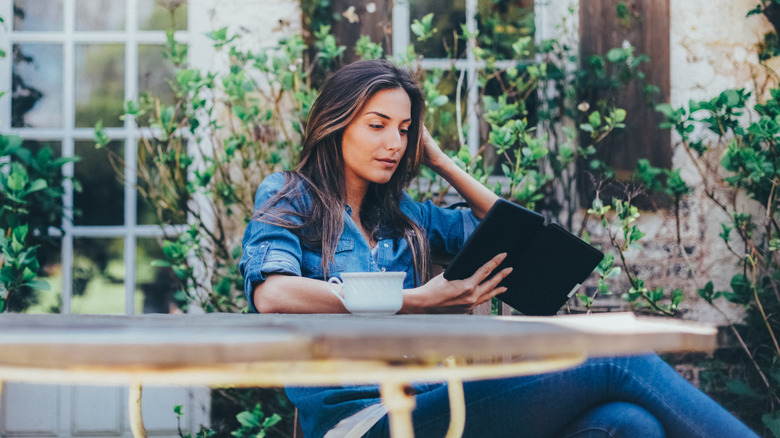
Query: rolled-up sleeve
point(447, 229)
point(268, 249)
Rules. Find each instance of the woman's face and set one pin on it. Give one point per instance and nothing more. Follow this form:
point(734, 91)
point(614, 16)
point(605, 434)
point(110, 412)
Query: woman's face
point(374, 142)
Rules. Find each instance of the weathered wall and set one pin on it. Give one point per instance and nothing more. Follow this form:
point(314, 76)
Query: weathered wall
point(261, 24)
point(713, 48)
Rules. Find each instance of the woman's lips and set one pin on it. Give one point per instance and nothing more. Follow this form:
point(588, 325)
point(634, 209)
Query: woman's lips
point(387, 162)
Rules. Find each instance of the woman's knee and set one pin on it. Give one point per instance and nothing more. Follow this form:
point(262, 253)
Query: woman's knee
point(615, 420)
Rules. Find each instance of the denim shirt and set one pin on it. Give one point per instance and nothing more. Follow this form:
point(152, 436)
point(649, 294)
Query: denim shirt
point(270, 249)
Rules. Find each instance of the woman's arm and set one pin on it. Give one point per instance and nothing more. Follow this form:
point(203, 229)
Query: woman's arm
point(457, 296)
point(478, 197)
point(292, 294)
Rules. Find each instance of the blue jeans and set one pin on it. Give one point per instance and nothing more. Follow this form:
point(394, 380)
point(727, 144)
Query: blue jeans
point(637, 396)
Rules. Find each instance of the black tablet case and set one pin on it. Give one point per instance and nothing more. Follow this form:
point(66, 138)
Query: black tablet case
point(549, 262)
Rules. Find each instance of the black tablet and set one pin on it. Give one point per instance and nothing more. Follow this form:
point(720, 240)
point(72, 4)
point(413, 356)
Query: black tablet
point(549, 263)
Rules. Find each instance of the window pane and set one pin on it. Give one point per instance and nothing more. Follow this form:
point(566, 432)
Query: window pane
point(145, 211)
point(153, 73)
point(36, 97)
point(99, 84)
point(101, 201)
point(166, 192)
point(162, 14)
point(443, 119)
point(448, 15)
point(98, 276)
point(155, 287)
point(37, 15)
point(502, 22)
point(100, 15)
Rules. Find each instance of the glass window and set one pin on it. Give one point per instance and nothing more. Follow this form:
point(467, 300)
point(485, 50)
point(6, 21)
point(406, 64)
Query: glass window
point(162, 14)
point(154, 72)
point(36, 96)
point(502, 22)
point(156, 286)
point(113, 56)
point(37, 15)
point(102, 200)
point(100, 15)
point(448, 15)
point(98, 276)
point(100, 90)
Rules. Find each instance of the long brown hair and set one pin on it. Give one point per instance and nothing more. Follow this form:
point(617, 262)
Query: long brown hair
point(321, 167)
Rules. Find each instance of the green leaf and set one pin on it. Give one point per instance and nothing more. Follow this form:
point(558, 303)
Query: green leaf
point(17, 179)
point(100, 136)
point(247, 419)
point(707, 292)
point(27, 275)
point(616, 55)
point(37, 185)
point(772, 422)
point(620, 115)
point(741, 388)
point(614, 272)
point(585, 300)
point(439, 101)
point(594, 119)
point(39, 284)
point(678, 296)
point(271, 421)
point(464, 154)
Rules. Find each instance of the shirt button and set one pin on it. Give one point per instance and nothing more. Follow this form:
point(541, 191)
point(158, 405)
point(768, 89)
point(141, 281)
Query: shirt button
point(386, 245)
point(383, 269)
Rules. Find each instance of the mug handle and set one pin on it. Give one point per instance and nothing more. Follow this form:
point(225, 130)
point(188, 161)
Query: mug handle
point(336, 286)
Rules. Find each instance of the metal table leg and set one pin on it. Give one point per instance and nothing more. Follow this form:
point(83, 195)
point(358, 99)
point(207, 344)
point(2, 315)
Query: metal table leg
point(457, 408)
point(399, 399)
point(136, 418)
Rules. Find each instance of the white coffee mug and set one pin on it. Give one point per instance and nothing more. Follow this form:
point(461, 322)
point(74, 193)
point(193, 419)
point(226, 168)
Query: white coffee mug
point(369, 293)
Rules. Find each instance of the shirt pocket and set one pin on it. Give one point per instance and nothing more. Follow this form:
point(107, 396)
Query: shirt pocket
point(312, 259)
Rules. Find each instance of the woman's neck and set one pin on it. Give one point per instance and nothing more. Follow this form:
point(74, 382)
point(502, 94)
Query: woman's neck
point(355, 196)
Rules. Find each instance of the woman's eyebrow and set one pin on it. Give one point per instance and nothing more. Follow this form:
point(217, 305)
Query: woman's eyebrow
point(386, 117)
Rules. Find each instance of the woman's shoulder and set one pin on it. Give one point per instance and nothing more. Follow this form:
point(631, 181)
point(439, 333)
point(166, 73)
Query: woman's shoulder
point(289, 184)
point(410, 207)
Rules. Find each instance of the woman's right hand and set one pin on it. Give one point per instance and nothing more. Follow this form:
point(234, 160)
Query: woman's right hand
point(440, 295)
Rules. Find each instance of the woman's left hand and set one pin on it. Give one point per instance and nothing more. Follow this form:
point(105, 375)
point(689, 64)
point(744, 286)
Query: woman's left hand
point(432, 154)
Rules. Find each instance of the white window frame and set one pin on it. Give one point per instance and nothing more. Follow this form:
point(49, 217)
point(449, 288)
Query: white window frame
point(402, 38)
point(68, 134)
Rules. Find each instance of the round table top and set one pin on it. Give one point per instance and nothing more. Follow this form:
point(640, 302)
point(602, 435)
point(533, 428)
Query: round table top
point(156, 340)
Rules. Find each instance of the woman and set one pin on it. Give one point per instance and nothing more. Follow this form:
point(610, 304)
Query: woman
point(344, 209)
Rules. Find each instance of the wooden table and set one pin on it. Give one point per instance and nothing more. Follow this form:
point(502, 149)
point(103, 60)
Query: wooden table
point(274, 350)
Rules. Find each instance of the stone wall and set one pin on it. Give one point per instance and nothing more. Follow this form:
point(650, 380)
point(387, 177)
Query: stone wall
point(261, 24)
point(714, 47)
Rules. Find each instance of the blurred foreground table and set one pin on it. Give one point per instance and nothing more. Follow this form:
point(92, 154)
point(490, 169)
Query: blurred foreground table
point(273, 350)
